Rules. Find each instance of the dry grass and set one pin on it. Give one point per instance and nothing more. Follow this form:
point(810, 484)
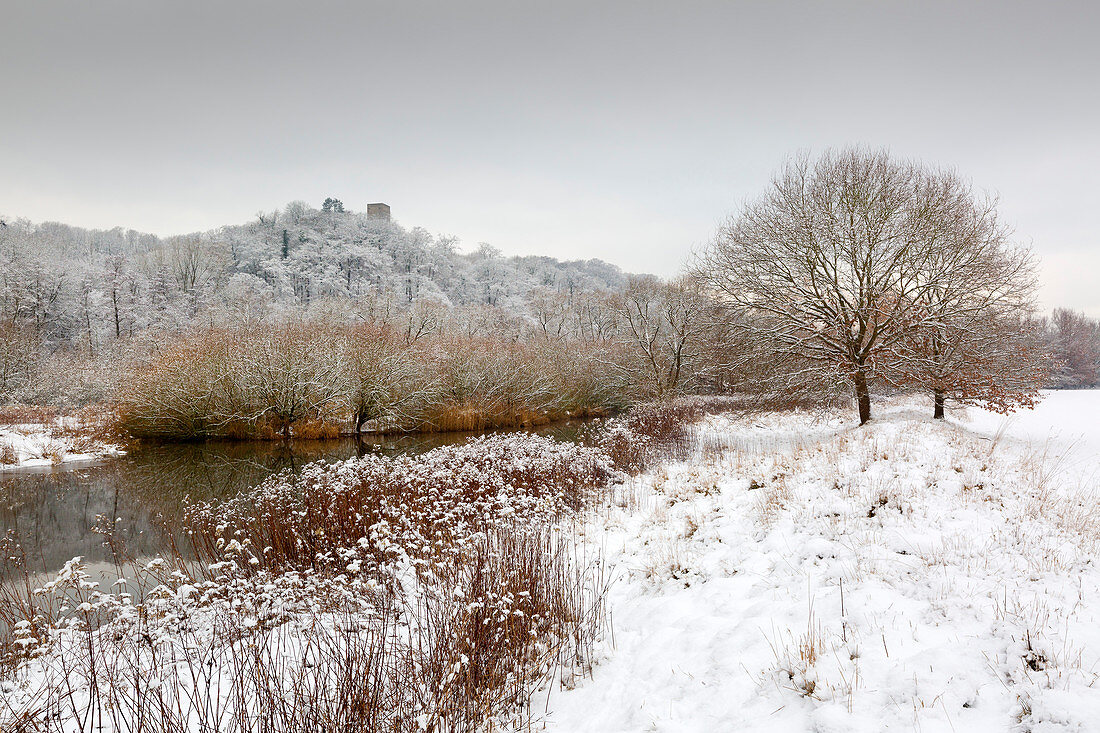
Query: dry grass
point(27, 415)
point(53, 451)
point(797, 656)
point(315, 429)
point(648, 435)
point(817, 664)
point(346, 659)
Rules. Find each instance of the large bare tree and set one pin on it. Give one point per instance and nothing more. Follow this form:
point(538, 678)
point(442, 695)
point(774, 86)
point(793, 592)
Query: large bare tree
point(844, 259)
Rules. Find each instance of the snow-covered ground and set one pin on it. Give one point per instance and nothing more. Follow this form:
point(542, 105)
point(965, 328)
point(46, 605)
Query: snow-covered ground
point(802, 574)
point(24, 446)
point(1065, 425)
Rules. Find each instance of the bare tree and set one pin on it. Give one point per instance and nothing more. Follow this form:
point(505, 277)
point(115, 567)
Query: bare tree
point(19, 357)
point(844, 260)
point(423, 318)
point(550, 309)
point(663, 321)
point(972, 336)
point(384, 379)
point(191, 261)
point(592, 317)
point(284, 375)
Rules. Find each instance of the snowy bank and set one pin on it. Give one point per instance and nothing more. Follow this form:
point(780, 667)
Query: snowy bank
point(41, 445)
point(800, 574)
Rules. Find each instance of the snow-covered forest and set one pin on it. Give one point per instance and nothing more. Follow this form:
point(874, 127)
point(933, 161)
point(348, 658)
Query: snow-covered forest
point(85, 288)
point(73, 300)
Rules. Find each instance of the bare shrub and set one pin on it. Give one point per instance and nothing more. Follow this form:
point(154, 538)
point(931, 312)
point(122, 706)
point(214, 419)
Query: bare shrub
point(27, 415)
point(252, 382)
point(648, 433)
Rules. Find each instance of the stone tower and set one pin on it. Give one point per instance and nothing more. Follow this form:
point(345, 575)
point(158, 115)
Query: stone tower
point(378, 211)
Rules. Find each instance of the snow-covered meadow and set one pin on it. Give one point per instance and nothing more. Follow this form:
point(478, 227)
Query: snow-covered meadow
point(803, 574)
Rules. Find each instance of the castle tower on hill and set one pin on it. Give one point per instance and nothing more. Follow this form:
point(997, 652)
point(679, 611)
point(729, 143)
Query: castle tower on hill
point(378, 211)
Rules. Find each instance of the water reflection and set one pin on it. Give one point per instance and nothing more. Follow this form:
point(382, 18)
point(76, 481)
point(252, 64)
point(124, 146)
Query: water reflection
point(58, 513)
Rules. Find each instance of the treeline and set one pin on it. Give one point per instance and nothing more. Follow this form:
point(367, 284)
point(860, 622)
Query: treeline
point(1074, 343)
point(854, 274)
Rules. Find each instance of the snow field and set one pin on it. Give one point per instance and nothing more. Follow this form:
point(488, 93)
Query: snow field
point(800, 574)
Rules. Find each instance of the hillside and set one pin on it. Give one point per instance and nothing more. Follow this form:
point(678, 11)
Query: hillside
point(85, 287)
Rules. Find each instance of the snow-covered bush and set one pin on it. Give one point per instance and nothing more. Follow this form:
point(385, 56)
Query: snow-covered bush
point(648, 433)
point(427, 508)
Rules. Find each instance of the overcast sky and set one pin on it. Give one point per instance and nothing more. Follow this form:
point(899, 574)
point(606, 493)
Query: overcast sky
point(620, 130)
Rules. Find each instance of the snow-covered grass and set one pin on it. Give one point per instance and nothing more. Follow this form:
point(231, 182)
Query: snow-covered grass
point(802, 574)
point(35, 444)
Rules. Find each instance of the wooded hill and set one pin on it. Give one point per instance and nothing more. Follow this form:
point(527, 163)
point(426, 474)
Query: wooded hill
point(86, 288)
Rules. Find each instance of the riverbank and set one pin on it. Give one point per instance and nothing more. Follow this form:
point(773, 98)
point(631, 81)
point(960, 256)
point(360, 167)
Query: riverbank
point(54, 511)
point(37, 445)
point(774, 571)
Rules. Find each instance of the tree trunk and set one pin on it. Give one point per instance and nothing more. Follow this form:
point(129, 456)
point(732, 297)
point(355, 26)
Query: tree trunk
point(863, 396)
point(118, 321)
point(937, 392)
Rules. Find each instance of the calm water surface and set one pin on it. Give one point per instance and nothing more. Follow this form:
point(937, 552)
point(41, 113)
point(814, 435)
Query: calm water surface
point(54, 513)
